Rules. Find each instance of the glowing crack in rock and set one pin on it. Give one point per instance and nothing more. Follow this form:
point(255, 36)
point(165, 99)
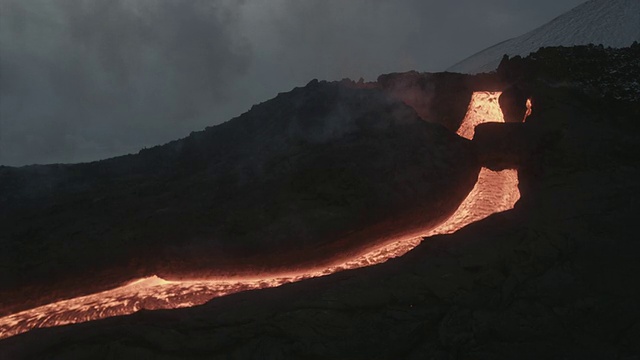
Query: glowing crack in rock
point(493, 192)
point(529, 106)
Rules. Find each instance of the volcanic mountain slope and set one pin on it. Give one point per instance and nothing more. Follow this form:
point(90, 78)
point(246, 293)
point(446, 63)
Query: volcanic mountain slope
point(322, 170)
point(554, 278)
point(614, 23)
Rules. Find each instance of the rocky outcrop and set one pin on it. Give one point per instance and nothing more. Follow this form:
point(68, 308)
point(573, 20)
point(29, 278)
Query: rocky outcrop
point(501, 145)
point(326, 167)
point(513, 104)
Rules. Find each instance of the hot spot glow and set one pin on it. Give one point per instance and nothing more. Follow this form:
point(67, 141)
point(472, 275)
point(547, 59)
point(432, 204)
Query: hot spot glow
point(484, 107)
point(529, 105)
point(493, 192)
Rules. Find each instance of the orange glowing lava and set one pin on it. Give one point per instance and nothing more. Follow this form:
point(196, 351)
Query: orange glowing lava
point(484, 107)
point(528, 112)
point(493, 192)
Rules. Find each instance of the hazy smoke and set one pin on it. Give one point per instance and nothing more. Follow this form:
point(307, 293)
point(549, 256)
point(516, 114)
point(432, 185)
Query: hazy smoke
point(103, 76)
point(87, 79)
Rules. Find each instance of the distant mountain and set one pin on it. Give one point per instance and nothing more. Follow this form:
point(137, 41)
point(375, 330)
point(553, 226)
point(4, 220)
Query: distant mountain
point(613, 23)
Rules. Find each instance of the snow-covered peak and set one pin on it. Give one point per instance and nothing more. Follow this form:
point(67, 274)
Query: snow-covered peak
point(614, 23)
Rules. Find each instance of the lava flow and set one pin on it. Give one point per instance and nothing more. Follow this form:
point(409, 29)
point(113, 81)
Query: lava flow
point(527, 113)
point(493, 192)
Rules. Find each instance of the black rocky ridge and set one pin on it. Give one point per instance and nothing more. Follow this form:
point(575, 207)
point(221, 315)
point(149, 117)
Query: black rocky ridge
point(553, 278)
point(315, 173)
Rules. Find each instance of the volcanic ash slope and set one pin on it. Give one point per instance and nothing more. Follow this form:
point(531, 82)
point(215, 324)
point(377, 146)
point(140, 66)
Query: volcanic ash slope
point(614, 23)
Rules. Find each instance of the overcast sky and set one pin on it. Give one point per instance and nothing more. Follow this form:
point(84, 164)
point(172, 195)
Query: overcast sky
point(87, 79)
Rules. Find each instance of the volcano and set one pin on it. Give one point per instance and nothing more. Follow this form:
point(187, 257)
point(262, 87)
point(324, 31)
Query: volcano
point(614, 23)
point(551, 276)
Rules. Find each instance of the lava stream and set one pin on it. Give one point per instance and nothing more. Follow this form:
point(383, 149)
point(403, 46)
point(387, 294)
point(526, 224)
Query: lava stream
point(493, 192)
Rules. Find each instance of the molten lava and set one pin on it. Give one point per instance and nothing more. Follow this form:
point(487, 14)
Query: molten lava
point(493, 192)
point(484, 107)
point(529, 106)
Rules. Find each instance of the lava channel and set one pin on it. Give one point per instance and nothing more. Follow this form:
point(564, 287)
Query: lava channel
point(494, 192)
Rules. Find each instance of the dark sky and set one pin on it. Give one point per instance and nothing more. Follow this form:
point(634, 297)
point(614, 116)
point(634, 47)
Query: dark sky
point(87, 79)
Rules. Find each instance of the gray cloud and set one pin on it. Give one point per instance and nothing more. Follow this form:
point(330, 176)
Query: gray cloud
point(102, 76)
point(88, 79)
point(335, 38)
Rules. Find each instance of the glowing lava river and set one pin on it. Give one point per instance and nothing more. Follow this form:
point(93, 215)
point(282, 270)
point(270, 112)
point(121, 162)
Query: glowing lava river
point(493, 192)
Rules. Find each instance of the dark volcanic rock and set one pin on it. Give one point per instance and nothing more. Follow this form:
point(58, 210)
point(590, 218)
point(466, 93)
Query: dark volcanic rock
point(506, 145)
point(611, 74)
point(513, 104)
point(327, 167)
